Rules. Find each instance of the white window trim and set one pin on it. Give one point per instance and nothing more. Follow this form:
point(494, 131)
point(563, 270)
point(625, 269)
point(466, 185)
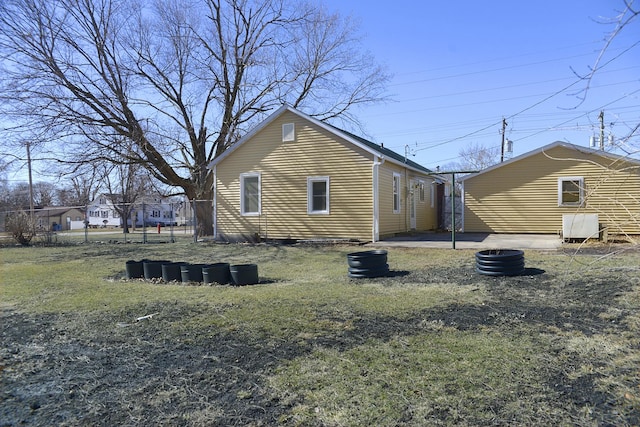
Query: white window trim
point(580, 180)
point(243, 176)
point(288, 132)
point(396, 191)
point(310, 181)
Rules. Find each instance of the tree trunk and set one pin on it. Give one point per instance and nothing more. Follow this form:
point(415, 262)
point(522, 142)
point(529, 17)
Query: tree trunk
point(203, 214)
point(125, 225)
point(204, 218)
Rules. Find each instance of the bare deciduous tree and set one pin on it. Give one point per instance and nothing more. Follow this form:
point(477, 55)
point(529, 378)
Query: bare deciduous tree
point(44, 194)
point(17, 195)
point(82, 188)
point(477, 157)
point(125, 184)
point(181, 79)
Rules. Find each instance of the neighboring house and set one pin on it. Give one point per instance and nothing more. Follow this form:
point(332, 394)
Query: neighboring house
point(154, 211)
point(183, 211)
point(295, 177)
point(59, 218)
point(531, 193)
point(102, 212)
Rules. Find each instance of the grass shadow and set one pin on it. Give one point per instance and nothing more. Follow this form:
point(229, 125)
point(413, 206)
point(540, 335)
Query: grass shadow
point(532, 272)
point(397, 273)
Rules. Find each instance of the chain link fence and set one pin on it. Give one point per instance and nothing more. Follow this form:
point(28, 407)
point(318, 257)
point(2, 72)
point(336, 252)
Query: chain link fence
point(446, 213)
point(146, 222)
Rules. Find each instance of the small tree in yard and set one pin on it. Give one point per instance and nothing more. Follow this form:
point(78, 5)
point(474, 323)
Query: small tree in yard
point(21, 227)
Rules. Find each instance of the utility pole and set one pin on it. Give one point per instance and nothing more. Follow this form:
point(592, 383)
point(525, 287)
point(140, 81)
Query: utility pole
point(504, 129)
point(601, 117)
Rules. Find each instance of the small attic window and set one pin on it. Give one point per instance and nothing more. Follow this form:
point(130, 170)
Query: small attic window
point(288, 132)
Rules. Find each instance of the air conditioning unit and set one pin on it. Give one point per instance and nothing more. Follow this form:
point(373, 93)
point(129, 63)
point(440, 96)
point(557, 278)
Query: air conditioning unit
point(580, 226)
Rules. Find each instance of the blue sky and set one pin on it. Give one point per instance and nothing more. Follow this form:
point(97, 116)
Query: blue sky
point(460, 67)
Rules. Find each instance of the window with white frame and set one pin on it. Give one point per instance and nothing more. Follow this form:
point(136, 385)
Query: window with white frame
point(250, 194)
point(318, 195)
point(288, 132)
point(396, 193)
point(571, 191)
point(421, 190)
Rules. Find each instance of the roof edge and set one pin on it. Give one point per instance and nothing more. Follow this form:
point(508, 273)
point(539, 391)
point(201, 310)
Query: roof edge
point(326, 126)
point(550, 146)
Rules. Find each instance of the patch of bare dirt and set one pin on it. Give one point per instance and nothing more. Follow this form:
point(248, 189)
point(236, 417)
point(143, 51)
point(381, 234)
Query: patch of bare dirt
point(62, 370)
point(115, 370)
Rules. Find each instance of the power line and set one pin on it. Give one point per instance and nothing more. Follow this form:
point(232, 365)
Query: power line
point(513, 98)
point(539, 82)
point(491, 70)
point(525, 119)
point(581, 115)
point(545, 99)
point(509, 58)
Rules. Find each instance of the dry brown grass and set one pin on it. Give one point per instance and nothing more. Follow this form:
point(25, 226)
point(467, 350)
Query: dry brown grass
point(434, 344)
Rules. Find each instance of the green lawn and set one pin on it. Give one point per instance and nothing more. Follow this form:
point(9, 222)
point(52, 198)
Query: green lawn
point(433, 344)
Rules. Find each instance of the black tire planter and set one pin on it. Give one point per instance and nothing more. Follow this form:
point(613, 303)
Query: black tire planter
point(191, 272)
point(367, 273)
point(217, 273)
point(244, 274)
point(500, 262)
point(134, 269)
point(153, 269)
point(171, 272)
point(500, 255)
point(367, 259)
point(368, 264)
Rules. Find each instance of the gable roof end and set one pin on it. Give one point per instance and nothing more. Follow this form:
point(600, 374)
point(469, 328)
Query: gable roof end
point(547, 147)
point(366, 145)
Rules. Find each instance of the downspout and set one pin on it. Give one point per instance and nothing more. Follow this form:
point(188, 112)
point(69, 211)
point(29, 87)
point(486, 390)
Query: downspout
point(407, 191)
point(215, 202)
point(375, 231)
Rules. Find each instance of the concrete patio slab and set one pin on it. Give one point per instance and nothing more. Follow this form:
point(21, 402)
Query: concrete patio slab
point(474, 241)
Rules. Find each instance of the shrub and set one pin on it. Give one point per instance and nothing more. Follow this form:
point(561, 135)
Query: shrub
point(21, 227)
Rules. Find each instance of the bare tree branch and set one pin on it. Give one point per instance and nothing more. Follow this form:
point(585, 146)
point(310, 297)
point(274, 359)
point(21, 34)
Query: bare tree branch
point(621, 21)
point(181, 80)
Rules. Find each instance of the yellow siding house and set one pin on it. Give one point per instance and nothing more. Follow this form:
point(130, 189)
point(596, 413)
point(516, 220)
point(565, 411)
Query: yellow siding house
point(531, 193)
point(295, 177)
